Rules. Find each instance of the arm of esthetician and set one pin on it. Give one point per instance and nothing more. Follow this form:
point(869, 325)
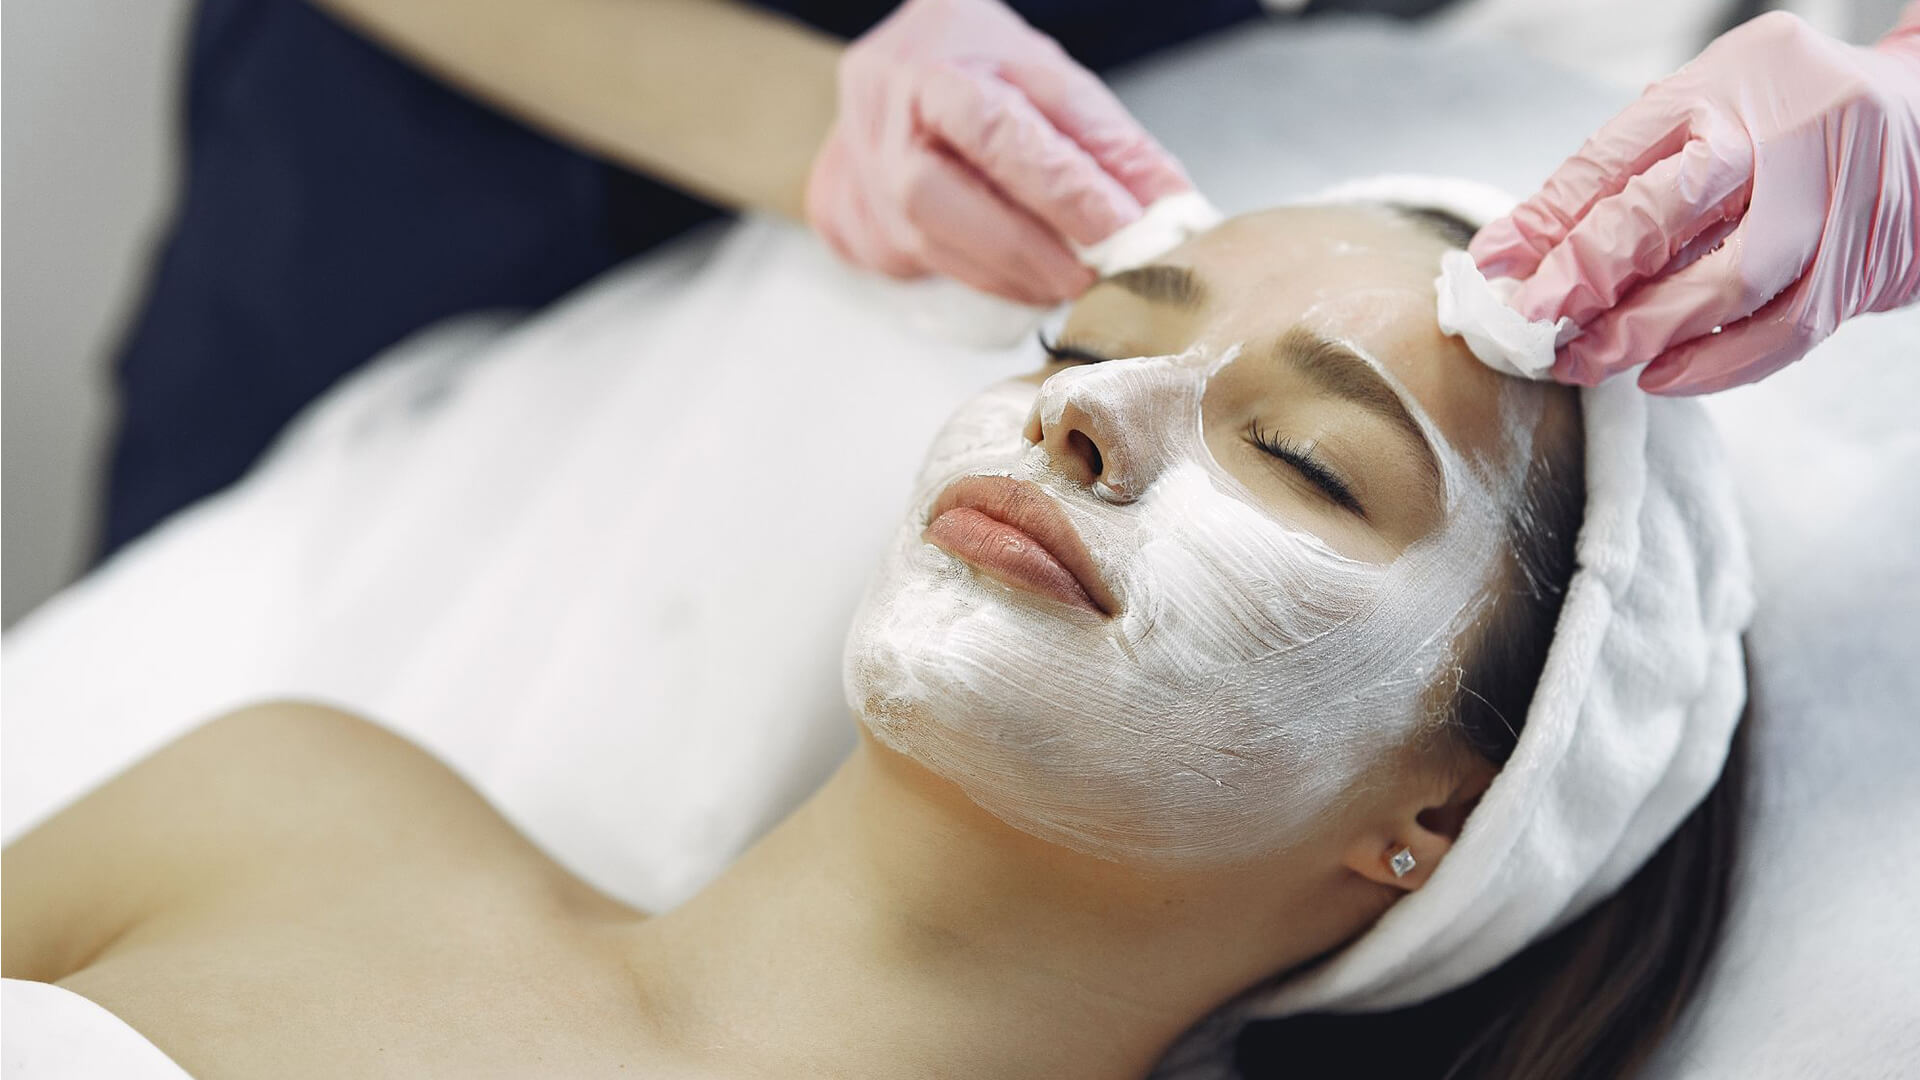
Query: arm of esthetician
point(952, 138)
point(1734, 216)
point(726, 101)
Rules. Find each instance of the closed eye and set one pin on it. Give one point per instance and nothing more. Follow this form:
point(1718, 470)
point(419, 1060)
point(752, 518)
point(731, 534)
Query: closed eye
point(1311, 468)
point(1301, 458)
point(1061, 352)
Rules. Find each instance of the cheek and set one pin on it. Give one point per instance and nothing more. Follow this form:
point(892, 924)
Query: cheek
point(983, 434)
point(1239, 399)
point(1227, 583)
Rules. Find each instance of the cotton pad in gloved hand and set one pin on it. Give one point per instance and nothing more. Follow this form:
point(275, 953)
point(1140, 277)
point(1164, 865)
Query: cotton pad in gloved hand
point(1477, 311)
point(1166, 225)
point(945, 309)
point(1735, 215)
point(969, 144)
point(1470, 306)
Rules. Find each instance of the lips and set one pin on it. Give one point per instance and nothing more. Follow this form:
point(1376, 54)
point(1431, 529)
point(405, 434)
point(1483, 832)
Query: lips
point(1012, 531)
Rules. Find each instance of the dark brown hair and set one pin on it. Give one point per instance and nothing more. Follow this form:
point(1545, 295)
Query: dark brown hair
point(1596, 999)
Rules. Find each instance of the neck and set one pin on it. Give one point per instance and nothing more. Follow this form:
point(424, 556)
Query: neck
point(890, 927)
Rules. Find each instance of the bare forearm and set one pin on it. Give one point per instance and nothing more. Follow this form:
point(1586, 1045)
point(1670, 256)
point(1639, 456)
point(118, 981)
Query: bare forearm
point(724, 100)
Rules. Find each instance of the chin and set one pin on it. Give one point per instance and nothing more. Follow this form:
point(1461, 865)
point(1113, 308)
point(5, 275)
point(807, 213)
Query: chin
point(976, 683)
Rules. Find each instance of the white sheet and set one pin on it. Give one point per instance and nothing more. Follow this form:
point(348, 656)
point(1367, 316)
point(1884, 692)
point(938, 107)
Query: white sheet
point(602, 565)
point(55, 1034)
point(602, 562)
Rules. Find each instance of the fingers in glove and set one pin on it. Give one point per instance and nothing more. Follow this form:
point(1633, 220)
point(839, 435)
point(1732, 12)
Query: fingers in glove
point(1646, 131)
point(1747, 351)
point(837, 209)
point(968, 229)
point(966, 267)
point(1082, 108)
point(1634, 234)
point(1661, 314)
point(994, 127)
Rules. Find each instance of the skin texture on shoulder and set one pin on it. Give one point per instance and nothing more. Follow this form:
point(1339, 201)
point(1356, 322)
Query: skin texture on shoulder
point(243, 797)
point(291, 890)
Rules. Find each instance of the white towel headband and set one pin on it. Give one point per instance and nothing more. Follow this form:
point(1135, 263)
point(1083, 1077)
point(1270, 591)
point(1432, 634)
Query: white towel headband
point(1629, 727)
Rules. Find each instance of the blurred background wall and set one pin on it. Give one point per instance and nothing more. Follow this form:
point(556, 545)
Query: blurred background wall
point(90, 91)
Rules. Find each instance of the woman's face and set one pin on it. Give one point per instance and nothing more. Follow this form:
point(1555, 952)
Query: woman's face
point(1176, 604)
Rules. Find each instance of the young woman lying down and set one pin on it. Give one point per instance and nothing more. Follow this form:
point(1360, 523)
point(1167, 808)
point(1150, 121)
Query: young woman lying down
point(1263, 655)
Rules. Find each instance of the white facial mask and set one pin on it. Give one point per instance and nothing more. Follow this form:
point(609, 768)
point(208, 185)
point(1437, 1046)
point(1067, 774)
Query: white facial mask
point(1251, 677)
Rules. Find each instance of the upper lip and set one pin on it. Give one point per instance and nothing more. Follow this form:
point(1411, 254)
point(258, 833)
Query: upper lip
point(1027, 507)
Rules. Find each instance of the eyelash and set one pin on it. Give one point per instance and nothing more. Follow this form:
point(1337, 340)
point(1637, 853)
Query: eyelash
point(1275, 446)
point(1061, 352)
point(1307, 465)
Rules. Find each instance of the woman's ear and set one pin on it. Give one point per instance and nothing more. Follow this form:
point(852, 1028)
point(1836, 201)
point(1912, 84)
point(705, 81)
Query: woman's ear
point(1402, 848)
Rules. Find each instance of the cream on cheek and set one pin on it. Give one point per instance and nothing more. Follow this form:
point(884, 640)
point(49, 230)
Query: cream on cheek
point(1250, 680)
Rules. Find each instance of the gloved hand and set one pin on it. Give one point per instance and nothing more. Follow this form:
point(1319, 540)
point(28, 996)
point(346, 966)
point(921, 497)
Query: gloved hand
point(969, 144)
point(1797, 155)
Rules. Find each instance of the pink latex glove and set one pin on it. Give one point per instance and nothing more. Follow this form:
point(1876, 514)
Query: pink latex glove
point(969, 144)
point(1798, 155)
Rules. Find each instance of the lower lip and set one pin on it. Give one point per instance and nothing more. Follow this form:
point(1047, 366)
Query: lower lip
point(1007, 555)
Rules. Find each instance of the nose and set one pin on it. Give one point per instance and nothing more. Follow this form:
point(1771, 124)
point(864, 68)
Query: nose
point(1069, 442)
point(1103, 425)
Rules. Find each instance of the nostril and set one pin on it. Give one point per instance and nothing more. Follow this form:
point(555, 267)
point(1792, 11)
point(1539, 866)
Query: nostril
point(1034, 432)
point(1082, 447)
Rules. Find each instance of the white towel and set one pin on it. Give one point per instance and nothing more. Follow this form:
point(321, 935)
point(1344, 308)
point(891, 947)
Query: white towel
point(56, 1034)
point(1637, 703)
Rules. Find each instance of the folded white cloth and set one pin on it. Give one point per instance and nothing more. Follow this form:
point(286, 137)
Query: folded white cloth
point(1642, 689)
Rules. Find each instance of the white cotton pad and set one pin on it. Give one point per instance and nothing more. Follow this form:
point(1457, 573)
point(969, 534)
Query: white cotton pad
point(945, 310)
point(1471, 306)
point(1168, 223)
point(1475, 309)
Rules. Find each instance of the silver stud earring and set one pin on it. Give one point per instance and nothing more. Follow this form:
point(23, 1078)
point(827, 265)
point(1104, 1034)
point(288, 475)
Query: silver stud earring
point(1401, 862)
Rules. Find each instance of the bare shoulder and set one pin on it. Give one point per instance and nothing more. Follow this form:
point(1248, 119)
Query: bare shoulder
point(281, 791)
point(307, 776)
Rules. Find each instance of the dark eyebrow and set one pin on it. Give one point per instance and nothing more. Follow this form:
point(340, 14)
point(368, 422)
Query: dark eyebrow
point(1340, 372)
point(1174, 285)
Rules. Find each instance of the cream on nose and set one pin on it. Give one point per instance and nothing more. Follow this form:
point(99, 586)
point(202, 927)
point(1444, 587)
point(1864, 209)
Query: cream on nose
point(1107, 426)
point(1069, 443)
